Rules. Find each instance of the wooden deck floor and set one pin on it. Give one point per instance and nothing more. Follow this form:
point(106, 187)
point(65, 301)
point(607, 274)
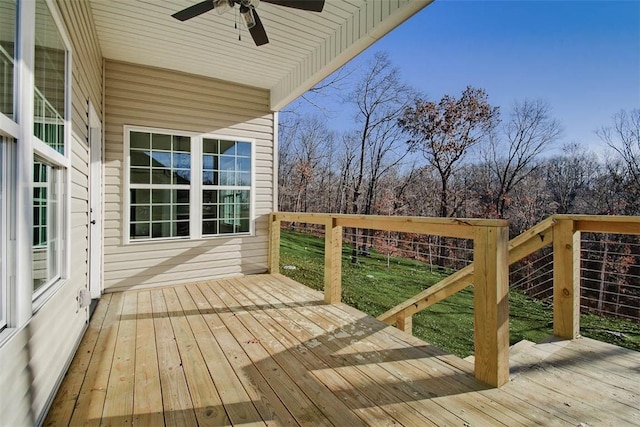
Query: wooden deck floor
point(264, 350)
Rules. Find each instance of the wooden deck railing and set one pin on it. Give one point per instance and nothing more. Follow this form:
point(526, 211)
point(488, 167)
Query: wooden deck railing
point(563, 231)
point(489, 274)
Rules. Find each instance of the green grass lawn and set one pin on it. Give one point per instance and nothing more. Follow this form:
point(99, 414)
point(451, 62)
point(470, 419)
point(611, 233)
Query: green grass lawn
point(373, 287)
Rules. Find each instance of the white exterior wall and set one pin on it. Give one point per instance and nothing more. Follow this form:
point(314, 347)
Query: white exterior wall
point(35, 357)
point(156, 98)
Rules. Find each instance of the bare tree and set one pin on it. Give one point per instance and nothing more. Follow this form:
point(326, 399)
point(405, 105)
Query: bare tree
point(380, 98)
point(624, 138)
point(305, 163)
point(445, 132)
point(570, 177)
point(514, 151)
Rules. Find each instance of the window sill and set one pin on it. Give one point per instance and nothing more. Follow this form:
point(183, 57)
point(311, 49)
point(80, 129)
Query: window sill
point(6, 334)
point(188, 239)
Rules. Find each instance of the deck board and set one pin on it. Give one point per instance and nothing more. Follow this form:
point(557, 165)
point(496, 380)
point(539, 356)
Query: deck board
point(147, 404)
point(264, 350)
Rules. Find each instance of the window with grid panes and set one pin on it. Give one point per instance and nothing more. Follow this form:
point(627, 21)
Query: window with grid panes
point(226, 187)
point(164, 184)
point(160, 185)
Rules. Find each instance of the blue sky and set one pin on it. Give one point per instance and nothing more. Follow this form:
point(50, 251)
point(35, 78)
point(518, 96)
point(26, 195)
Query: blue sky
point(582, 57)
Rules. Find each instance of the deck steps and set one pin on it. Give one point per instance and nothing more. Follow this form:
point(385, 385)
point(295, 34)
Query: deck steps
point(532, 355)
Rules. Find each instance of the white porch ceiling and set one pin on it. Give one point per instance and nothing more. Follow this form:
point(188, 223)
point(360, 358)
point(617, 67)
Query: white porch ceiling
point(304, 47)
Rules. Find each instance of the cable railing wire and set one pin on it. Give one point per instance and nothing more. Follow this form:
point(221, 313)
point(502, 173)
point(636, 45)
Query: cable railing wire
point(610, 270)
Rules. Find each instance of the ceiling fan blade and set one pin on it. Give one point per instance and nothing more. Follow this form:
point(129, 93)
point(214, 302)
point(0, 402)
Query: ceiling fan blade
point(195, 10)
point(310, 5)
point(258, 32)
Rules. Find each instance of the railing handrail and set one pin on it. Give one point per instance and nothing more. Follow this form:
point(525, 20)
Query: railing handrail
point(445, 227)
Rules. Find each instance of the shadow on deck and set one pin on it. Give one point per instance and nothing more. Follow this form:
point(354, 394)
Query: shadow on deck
point(265, 350)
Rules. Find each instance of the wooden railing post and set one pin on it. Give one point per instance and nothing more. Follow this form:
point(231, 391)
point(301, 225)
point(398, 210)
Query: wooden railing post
point(404, 322)
point(332, 262)
point(274, 245)
point(491, 304)
point(566, 280)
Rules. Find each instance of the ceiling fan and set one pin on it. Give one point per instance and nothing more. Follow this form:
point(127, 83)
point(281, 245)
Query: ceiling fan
point(248, 12)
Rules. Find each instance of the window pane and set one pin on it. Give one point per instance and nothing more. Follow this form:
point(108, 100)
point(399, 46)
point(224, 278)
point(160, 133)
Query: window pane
point(243, 149)
point(140, 231)
point(140, 140)
point(227, 147)
point(244, 226)
point(209, 162)
point(7, 55)
point(181, 229)
point(161, 159)
point(160, 196)
point(140, 158)
point(210, 212)
point(227, 163)
point(49, 79)
point(244, 164)
point(161, 142)
point(209, 196)
point(182, 177)
point(140, 176)
point(181, 161)
point(161, 229)
point(210, 146)
point(161, 176)
point(182, 143)
point(181, 196)
point(162, 212)
point(45, 226)
point(181, 212)
point(209, 227)
point(227, 178)
point(243, 179)
point(140, 196)
point(140, 213)
point(209, 178)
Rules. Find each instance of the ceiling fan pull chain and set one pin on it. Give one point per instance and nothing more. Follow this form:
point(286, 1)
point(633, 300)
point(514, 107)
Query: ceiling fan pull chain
point(236, 26)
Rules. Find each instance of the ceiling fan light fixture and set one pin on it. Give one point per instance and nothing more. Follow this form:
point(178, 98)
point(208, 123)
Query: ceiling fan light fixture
point(222, 6)
point(247, 14)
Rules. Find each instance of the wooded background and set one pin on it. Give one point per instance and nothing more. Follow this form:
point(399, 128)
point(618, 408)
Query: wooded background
point(460, 156)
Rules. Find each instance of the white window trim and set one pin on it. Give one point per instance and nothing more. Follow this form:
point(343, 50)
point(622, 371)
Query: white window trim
point(195, 195)
point(63, 163)
point(23, 302)
point(7, 228)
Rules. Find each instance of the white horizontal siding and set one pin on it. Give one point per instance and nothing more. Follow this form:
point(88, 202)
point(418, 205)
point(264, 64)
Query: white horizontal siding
point(151, 97)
